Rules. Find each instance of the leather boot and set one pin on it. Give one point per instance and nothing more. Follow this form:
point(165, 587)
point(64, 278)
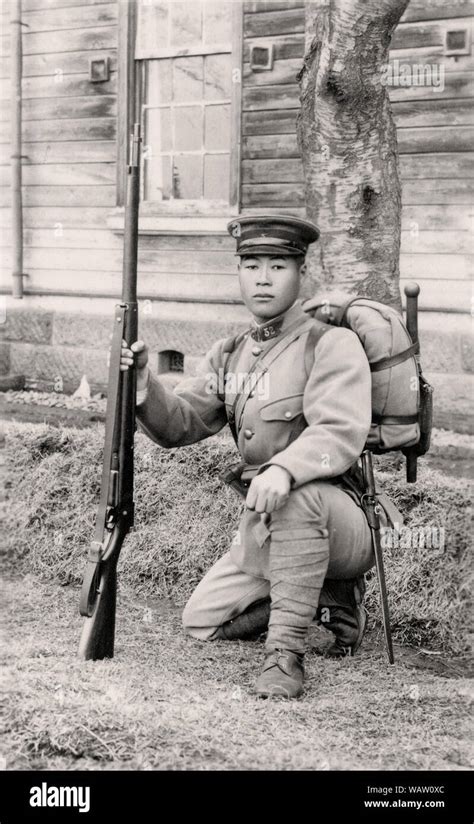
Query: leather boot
point(248, 625)
point(341, 610)
point(282, 675)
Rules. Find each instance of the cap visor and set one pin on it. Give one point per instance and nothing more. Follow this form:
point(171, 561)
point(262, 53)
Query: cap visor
point(274, 251)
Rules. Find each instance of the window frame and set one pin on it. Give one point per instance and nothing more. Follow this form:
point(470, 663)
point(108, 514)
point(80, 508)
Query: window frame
point(161, 215)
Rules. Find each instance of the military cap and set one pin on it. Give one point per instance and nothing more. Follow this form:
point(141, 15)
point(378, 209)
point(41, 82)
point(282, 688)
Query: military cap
point(272, 234)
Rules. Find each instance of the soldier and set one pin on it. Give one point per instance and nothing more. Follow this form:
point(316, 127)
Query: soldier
point(297, 395)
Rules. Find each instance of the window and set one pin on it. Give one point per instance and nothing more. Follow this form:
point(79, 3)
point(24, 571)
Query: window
point(170, 361)
point(192, 103)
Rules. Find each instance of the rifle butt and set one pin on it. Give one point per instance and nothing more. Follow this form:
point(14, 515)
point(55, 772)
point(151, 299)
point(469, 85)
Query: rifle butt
point(98, 631)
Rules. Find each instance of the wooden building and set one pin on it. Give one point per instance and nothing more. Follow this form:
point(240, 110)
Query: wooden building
point(219, 112)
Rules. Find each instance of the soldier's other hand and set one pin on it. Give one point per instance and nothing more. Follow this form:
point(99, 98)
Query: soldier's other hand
point(270, 490)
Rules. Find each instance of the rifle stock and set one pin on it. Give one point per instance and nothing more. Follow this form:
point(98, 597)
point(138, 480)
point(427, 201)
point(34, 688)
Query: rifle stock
point(98, 631)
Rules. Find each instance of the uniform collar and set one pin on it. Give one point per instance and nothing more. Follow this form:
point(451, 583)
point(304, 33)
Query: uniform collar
point(273, 327)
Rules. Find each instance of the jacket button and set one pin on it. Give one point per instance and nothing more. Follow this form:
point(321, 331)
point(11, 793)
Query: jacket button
point(248, 434)
point(256, 350)
point(252, 394)
point(288, 414)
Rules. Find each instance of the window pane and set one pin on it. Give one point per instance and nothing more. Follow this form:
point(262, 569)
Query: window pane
point(217, 77)
point(152, 28)
point(158, 178)
point(159, 82)
point(188, 128)
point(217, 21)
point(166, 143)
point(158, 130)
point(187, 174)
point(185, 23)
point(187, 85)
point(157, 169)
point(167, 178)
point(217, 127)
point(216, 177)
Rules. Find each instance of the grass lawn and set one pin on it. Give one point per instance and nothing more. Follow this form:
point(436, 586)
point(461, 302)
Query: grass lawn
point(170, 702)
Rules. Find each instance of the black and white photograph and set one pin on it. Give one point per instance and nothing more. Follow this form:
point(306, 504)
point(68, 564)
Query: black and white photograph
point(236, 391)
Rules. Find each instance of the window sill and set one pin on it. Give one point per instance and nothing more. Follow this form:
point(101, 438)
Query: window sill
point(185, 219)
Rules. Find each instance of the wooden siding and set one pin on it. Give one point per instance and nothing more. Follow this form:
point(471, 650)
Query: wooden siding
point(435, 137)
point(69, 130)
point(70, 175)
point(70, 170)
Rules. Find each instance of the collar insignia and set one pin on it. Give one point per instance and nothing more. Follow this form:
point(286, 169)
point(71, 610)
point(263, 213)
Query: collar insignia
point(266, 331)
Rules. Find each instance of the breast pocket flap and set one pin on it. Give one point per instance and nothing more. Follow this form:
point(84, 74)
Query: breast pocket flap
point(284, 409)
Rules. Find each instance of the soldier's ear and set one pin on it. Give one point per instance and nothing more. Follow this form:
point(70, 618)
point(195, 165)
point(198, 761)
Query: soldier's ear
point(303, 269)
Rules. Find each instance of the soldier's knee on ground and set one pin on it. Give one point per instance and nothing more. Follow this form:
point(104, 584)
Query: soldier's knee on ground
point(193, 621)
point(187, 616)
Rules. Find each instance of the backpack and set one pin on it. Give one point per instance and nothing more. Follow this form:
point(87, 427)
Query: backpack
point(402, 403)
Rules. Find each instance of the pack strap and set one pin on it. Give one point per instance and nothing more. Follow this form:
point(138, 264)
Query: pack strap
point(383, 363)
point(394, 420)
point(230, 348)
point(394, 360)
point(315, 334)
point(340, 315)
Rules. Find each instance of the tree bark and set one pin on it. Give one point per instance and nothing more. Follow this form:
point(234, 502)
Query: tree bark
point(348, 144)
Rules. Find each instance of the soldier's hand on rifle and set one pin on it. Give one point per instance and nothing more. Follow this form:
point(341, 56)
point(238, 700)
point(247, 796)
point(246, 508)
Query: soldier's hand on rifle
point(270, 490)
point(137, 354)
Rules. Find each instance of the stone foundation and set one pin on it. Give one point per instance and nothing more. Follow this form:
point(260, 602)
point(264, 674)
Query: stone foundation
point(54, 349)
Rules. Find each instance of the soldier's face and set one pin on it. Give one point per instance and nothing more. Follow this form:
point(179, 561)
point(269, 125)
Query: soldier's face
point(269, 285)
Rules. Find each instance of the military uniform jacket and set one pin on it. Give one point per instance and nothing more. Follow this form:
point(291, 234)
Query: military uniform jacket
point(314, 424)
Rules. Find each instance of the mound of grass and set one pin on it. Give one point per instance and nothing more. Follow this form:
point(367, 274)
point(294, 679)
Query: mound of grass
point(185, 516)
point(428, 566)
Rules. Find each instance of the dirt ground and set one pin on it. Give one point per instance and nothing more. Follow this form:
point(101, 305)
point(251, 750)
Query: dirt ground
point(169, 702)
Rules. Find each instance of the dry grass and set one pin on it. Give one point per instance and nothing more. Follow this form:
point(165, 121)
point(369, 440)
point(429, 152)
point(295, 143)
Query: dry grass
point(185, 514)
point(170, 702)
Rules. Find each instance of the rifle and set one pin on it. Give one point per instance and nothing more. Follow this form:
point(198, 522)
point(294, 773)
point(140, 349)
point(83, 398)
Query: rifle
point(116, 506)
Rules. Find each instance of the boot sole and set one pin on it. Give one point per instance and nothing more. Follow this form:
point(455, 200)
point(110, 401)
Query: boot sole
point(278, 692)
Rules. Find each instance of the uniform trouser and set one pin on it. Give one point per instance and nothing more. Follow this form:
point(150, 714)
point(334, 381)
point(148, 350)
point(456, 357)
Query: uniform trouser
point(319, 532)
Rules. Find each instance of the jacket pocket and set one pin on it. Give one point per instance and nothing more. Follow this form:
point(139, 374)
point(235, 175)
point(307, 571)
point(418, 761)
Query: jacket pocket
point(284, 409)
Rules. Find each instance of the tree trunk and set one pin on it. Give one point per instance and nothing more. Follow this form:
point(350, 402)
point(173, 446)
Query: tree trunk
point(348, 144)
